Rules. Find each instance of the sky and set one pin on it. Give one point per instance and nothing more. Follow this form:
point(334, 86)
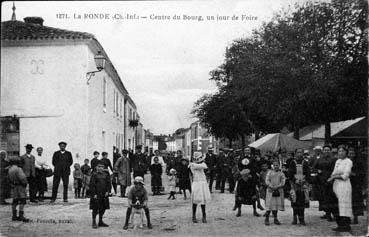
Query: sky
point(164, 64)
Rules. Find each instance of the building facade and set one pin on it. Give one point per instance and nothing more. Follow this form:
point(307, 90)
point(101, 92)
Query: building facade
point(45, 93)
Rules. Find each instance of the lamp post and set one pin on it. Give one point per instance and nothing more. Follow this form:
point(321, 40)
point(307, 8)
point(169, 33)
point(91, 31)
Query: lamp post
point(100, 64)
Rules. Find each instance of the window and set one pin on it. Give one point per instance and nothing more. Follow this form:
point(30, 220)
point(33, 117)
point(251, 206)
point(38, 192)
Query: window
point(114, 103)
point(130, 114)
point(104, 94)
point(121, 108)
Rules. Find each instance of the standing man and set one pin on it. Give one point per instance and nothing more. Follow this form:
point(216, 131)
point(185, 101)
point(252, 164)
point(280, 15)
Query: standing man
point(138, 163)
point(28, 166)
point(224, 169)
point(211, 162)
point(62, 161)
point(123, 171)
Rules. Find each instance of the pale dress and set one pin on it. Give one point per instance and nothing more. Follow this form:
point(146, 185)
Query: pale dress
point(273, 179)
point(200, 190)
point(342, 187)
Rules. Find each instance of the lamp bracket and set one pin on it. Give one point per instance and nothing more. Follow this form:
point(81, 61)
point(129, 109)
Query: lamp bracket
point(89, 75)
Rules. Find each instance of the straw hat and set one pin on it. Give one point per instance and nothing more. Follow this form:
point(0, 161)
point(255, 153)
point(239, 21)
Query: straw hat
point(198, 156)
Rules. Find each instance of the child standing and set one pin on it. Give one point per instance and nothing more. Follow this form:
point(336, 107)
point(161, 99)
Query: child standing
point(200, 189)
point(274, 201)
point(263, 174)
point(18, 182)
point(100, 187)
point(156, 170)
point(184, 176)
point(78, 177)
point(172, 183)
point(85, 171)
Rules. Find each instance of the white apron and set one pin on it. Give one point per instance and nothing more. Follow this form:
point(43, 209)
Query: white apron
point(342, 187)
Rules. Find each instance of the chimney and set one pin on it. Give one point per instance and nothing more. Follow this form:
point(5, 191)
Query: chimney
point(34, 20)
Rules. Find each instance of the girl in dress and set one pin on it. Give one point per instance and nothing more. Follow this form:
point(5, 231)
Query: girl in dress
point(274, 200)
point(172, 183)
point(200, 189)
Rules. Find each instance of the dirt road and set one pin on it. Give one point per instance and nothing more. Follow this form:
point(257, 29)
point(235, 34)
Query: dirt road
point(168, 217)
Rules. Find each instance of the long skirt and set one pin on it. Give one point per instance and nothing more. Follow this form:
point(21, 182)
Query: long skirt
point(274, 203)
point(99, 203)
point(342, 189)
point(41, 180)
point(200, 192)
point(156, 180)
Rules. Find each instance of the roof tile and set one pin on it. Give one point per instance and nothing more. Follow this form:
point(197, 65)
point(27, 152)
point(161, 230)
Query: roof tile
point(17, 30)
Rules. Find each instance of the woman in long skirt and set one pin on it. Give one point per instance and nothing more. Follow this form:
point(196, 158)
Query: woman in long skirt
point(200, 194)
point(342, 189)
point(357, 182)
point(299, 176)
point(324, 166)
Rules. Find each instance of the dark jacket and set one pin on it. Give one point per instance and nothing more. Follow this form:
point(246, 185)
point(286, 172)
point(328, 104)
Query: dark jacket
point(138, 163)
point(28, 165)
point(62, 163)
point(211, 162)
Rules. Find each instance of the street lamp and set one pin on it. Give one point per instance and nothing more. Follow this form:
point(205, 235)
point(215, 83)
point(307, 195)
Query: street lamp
point(100, 64)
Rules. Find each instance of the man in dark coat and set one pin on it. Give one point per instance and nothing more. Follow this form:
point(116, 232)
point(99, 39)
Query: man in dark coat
point(211, 162)
point(62, 161)
point(138, 163)
point(224, 168)
point(28, 166)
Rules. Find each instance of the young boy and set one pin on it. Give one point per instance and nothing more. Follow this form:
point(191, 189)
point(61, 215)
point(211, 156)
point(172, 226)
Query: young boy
point(138, 193)
point(100, 187)
point(85, 171)
point(18, 182)
point(77, 177)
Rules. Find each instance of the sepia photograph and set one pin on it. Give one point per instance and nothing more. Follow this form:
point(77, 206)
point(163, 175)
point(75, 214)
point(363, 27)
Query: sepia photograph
point(184, 118)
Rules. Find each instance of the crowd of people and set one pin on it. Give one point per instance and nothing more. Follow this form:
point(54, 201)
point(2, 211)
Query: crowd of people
point(333, 177)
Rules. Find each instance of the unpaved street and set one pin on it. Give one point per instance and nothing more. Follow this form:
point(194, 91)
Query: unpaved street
point(168, 217)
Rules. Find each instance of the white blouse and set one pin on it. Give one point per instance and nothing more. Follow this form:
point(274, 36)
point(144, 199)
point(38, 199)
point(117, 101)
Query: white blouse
point(343, 168)
point(40, 162)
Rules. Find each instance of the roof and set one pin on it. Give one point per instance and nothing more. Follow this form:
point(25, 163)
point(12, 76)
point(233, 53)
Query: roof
point(318, 131)
point(276, 141)
point(19, 30)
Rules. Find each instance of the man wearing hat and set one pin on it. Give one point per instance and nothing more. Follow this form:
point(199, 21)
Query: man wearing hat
point(18, 182)
point(211, 162)
point(28, 165)
point(62, 161)
point(138, 163)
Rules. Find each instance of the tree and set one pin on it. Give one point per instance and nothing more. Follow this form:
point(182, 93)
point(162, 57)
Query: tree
point(303, 67)
point(221, 116)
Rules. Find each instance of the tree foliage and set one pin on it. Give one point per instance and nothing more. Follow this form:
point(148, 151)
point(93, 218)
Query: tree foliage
point(303, 67)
